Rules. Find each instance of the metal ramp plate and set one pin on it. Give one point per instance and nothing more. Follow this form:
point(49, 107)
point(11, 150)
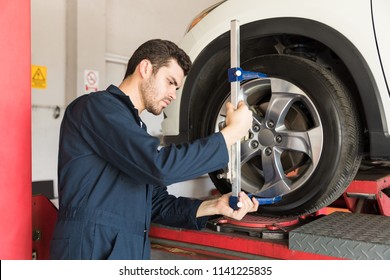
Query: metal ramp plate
point(345, 235)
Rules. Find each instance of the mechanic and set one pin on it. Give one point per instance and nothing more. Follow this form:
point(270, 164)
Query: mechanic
point(112, 174)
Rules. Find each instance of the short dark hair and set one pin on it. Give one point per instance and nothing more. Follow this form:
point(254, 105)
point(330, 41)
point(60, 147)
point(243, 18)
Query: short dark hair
point(159, 52)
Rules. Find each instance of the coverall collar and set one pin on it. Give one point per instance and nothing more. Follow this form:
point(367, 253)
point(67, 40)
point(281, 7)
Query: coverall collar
point(114, 90)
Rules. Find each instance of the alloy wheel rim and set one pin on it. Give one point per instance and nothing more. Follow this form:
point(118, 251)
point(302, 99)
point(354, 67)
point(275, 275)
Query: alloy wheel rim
point(284, 145)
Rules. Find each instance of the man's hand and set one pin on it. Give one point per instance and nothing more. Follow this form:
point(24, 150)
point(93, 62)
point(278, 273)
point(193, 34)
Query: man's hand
point(238, 122)
point(220, 206)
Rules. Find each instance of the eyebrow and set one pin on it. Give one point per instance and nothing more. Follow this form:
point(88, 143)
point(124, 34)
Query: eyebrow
point(174, 81)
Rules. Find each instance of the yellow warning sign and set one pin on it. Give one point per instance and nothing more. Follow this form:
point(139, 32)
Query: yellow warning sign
point(38, 76)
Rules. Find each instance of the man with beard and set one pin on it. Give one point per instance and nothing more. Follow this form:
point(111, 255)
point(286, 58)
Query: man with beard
point(113, 175)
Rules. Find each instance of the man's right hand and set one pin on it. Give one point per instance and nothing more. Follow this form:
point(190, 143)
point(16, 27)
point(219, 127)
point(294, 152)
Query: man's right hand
point(238, 122)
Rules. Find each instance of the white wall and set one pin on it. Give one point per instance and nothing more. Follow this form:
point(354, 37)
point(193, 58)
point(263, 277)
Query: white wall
point(113, 29)
point(48, 49)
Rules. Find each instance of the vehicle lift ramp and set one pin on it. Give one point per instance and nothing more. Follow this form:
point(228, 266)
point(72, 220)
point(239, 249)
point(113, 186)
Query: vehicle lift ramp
point(356, 235)
point(356, 226)
point(363, 233)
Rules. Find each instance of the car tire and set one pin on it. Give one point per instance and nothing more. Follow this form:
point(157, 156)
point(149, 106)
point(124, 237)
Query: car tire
point(311, 173)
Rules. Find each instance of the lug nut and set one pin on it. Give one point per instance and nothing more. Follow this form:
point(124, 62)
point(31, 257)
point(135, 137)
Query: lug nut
point(278, 138)
point(270, 124)
point(256, 128)
point(268, 151)
point(254, 144)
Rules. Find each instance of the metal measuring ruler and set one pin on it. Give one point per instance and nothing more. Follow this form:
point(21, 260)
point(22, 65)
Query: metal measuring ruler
point(236, 75)
point(235, 97)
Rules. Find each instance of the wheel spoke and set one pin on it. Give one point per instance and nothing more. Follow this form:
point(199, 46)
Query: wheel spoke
point(276, 183)
point(278, 108)
point(257, 120)
point(307, 142)
point(248, 151)
point(316, 143)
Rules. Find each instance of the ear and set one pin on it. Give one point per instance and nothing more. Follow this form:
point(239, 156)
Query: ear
point(145, 68)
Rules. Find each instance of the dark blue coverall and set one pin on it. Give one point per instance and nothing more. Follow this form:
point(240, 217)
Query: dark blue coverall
point(112, 179)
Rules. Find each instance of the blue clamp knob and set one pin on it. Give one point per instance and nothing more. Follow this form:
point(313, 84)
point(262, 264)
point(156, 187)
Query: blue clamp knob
point(235, 204)
point(236, 74)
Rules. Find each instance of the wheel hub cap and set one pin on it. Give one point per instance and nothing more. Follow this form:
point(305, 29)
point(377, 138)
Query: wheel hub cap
point(266, 137)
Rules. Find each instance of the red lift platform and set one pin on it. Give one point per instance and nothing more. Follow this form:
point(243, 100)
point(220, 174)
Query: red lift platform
point(44, 216)
point(357, 227)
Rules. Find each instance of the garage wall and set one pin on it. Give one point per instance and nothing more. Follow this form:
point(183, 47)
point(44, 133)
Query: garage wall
point(72, 36)
point(47, 49)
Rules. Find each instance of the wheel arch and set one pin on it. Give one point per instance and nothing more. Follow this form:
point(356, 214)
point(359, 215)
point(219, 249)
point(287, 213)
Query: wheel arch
point(211, 64)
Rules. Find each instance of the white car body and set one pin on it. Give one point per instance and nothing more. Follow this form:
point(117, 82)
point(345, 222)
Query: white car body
point(353, 19)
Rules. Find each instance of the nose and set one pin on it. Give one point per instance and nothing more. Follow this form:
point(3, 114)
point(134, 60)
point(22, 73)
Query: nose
point(172, 94)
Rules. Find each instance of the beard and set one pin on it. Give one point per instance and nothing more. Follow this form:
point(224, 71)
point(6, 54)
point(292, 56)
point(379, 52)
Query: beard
point(148, 93)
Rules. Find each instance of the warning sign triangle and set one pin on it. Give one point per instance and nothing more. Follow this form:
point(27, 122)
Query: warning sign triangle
point(38, 75)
